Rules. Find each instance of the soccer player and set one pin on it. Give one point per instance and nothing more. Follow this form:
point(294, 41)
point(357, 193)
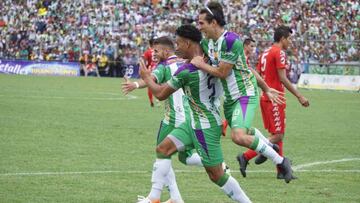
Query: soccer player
point(203, 92)
point(176, 108)
point(150, 62)
point(272, 67)
point(228, 63)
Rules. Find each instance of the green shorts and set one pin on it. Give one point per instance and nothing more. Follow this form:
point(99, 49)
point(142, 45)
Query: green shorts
point(208, 146)
point(240, 114)
point(183, 133)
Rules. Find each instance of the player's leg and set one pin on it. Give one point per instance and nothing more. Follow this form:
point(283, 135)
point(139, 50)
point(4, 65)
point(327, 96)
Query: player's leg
point(212, 158)
point(224, 127)
point(161, 166)
point(276, 126)
point(243, 114)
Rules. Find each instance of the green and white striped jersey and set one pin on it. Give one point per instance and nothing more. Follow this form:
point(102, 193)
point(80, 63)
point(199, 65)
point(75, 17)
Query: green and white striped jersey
point(203, 92)
point(229, 48)
point(176, 105)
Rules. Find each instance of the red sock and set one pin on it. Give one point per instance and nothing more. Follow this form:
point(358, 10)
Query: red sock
point(224, 126)
point(249, 154)
point(150, 96)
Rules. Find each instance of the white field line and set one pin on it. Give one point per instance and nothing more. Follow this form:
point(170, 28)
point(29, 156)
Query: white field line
point(301, 166)
point(296, 168)
point(128, 97)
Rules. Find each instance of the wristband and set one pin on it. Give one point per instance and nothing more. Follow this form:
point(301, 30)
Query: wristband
point(137, 85)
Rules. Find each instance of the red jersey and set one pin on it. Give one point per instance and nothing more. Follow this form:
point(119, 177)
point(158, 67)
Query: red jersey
point(149, 58)
point(270, 61)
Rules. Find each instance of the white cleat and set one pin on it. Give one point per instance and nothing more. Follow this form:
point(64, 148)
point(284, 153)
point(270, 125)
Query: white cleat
point(142, 199)
point(226, 168)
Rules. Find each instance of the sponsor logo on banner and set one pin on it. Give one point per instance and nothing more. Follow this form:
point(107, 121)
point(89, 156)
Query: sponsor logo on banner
point(53, 68)
point(332, 82)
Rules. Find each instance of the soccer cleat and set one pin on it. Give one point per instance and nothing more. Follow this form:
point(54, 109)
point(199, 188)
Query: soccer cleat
point(280, 176)
point(261, 159)
point(152, 104)
point(285, 170)
point(243, 164)
point(142, 199)
point(226, 168)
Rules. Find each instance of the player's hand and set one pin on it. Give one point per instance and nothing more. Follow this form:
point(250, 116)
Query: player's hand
point(303, 101)
point(143, 71)
point(276, 96)
point(197, 61)
point(127, 86)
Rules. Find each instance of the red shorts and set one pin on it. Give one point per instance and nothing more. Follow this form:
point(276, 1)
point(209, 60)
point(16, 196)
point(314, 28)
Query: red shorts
point(273, 117)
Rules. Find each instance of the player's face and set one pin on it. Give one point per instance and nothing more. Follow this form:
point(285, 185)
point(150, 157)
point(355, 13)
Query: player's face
point(250, 48)
point(286, 42)
point(182, 47)
point(204, 26)
point(159, 52)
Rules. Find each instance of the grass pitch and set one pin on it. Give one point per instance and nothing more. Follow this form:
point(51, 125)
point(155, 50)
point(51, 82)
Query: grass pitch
point(81, 140)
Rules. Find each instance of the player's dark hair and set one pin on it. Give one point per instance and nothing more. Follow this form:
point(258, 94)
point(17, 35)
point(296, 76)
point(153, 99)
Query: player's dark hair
point(151, 41)
point(282, 31)
point(166, 41)
point(189, 32)
point(214, 11)
point(247, 41)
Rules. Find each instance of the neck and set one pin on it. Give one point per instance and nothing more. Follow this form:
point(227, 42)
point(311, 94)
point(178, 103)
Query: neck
point(278, 44)
point(195, 51)
point(218, 31)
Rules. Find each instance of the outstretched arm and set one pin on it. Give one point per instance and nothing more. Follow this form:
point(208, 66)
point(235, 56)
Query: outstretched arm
point(274, 95)
point(222, 71)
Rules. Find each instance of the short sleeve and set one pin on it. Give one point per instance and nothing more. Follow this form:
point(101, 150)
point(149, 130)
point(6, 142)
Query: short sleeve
point(232, 55)
point(159, 73)
point(280, 59)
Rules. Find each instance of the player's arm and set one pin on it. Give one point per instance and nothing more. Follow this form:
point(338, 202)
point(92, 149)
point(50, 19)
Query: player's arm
point(273, 94)
point(222, 71)
point(129, 86)
point(285, 81)
point(161, 92)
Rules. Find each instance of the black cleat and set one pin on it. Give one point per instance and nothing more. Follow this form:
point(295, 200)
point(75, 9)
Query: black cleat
point(285, 170)
point(243, 164)
point(280, 176)
point(152, 104)
point(261, 159)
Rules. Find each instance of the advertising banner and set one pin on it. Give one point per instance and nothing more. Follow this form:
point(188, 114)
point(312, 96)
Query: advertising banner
point(132, 71)
point(45, 68)
point(332, 82)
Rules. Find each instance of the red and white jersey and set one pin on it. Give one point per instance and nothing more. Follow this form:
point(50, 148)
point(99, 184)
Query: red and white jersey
point(149, 58)
point(270, 61)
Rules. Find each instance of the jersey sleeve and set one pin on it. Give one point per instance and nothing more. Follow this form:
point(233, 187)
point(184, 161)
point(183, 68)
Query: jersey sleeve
point(159, 73)
point(280, 59)
point(258, 65)
point(205, 46)
point(231, 56)
point(178, 80)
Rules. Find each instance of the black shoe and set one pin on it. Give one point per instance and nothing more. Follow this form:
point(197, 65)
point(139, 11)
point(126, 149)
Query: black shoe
point(261, 159)
point(152, 104)
point(243, 164)
point(280, 176)
point(285, 170)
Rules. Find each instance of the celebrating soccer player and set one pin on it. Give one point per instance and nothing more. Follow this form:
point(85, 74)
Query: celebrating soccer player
point(203, 92)
point(228, 62)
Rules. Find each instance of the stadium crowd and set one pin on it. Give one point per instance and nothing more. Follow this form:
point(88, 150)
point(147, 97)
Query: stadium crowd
point(118, 30)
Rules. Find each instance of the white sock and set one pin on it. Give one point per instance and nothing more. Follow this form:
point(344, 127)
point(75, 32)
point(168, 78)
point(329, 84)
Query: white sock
point(234, 191)
point(194, 160)
point(262, 137)
point(268, 152)
point(173, 187)
point(161, 169)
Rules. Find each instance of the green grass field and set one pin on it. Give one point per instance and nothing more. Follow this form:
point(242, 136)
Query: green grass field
point(81, 140)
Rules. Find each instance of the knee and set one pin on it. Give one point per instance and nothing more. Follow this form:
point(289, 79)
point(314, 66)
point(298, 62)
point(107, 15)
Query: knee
point(214, 177)
point(275, 138)
point(238, 137)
